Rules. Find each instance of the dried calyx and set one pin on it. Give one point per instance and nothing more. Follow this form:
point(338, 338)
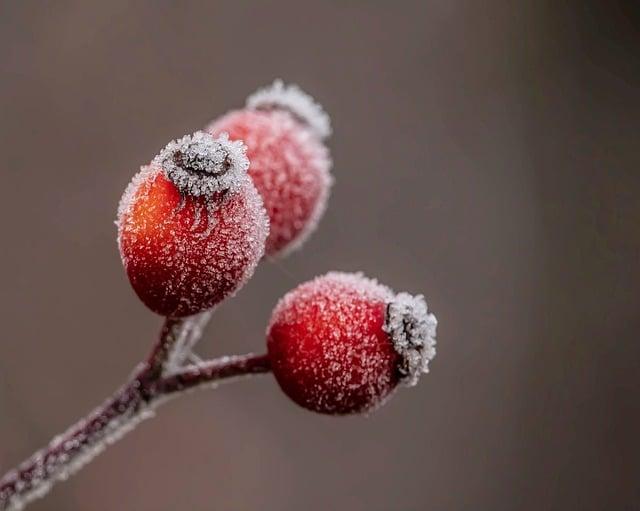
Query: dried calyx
point(200, 165)
point(296, 102)
point(412, 330)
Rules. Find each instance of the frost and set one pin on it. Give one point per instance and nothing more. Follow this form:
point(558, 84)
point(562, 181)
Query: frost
point(200, 165)
point(318, 158)
point(342, 351)
point(294, 100)
point(144, 176)
point(346, 362)
point(69, 452)
point(321, 293)
point(290, 168)
point(190, 332)
point(413, 332)
point(185, 254)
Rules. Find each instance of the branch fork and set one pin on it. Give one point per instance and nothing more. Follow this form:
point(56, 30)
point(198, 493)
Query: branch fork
point(165, 374)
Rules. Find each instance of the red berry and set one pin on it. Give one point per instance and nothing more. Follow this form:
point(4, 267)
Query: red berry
point(191, 226)
point(282, 128)
point(341, 343)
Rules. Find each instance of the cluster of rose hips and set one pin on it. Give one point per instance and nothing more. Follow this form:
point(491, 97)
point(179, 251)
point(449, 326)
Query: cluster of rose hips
point(194, 223)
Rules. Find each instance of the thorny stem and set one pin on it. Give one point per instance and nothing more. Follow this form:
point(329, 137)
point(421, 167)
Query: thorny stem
point(151, 384)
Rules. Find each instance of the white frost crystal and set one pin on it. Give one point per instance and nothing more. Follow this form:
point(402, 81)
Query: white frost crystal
point(295, 101)
point(69, 452)
point(201, 165)
point(413, 332)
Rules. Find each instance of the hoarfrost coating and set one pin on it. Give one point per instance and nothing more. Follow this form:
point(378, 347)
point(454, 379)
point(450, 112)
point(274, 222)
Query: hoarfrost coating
point(290, 168)
point(200, 165)
point(191, 237)
point(294, 100)
point(413, 332)
point(69, 452)
point(341, 343)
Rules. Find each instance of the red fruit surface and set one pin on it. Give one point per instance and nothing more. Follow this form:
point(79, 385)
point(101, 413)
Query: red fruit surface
point(185, 254)
point(290, 168)
point(328, 350)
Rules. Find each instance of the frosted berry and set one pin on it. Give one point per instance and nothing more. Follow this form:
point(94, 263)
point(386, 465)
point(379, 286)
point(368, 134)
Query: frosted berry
point(299, 104)
point(283, 129)
point(191, 225)
point(341, 343)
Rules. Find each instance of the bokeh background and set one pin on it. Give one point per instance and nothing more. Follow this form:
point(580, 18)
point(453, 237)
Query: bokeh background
point(486, 154)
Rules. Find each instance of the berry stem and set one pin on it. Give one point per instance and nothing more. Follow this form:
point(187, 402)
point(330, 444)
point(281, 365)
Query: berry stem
point(151, 384)
point(170, 336)
point(190, 332)
point(212, 371)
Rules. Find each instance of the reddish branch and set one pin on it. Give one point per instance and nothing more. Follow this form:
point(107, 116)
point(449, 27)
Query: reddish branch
point(149, 386)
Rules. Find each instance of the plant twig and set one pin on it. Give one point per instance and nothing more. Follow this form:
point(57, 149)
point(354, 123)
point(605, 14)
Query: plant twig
point(170, 336)
point(213, 371)
point(150, 385)
point(190, 333)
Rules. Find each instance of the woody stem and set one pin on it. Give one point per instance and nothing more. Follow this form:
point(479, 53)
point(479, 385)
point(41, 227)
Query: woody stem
point(149, 386)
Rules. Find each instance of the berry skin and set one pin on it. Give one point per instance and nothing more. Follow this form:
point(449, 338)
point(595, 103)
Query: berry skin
point(283, 130)
point(341, 343)
point(191, 226)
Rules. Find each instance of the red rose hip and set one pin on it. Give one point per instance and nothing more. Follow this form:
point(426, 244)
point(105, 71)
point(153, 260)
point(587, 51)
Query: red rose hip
point(191, 225)
point(341, 343)
point(283, 128)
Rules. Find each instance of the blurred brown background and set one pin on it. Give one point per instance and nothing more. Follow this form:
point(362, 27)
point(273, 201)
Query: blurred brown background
point(486, 154)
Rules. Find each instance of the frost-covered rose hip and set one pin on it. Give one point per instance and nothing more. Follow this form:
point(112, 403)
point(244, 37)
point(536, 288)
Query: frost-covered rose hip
point(341, 343)
point(283, 129)
point(191, 225)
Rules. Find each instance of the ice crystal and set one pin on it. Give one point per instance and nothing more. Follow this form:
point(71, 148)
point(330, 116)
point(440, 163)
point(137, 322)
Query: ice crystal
point(190, 333)
point(413, 332)
point(294, 100)
point(326, 345)
point(200, 165)
point(185, 254)
point(322, 292)
point(336, 321)
point(69, 452)
point(290, 168)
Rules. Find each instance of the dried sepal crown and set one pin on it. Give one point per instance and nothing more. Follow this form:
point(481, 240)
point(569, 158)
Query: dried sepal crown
point(201, 165)
point(412, 330)
point(294, 100)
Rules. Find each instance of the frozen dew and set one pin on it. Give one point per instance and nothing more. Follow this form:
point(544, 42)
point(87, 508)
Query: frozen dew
point(319, 294)
point(200, 165)
point(413, 332)
point(294, 100)
point(290, 168)
point(190, 332)
point(185, 253)
point(350, 340)
point(144, 177)
point(69, 452)
point(330, 354)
